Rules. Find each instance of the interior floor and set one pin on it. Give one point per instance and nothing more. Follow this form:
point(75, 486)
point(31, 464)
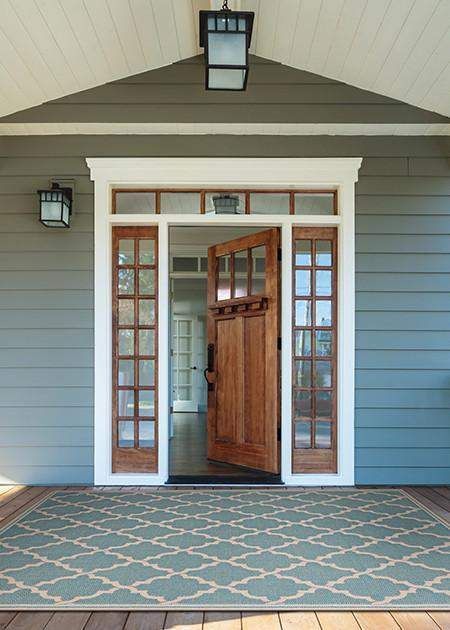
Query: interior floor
point(187, 451)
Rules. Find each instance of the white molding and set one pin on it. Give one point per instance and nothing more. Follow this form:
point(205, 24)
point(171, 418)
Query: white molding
point(244, 129)
point(228, 172)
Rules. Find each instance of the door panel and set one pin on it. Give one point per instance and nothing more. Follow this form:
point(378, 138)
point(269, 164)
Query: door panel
point(243, 330)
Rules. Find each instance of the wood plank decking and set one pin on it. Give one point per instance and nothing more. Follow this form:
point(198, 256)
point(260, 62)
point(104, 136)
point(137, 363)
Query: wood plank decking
point(16, 499)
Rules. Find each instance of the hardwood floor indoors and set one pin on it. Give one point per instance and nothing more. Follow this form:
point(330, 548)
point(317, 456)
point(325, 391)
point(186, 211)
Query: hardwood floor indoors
point(16, 499)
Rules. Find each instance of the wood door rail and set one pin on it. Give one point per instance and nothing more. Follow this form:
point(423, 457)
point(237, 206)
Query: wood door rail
point(247, 303)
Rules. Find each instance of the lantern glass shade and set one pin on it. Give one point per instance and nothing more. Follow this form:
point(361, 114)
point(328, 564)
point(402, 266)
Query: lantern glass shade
point(225, 36)
point(55, 207)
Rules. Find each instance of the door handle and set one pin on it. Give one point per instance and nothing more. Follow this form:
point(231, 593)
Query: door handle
point(210, 367)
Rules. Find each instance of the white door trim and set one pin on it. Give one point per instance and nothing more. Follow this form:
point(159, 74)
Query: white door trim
point(307, 173)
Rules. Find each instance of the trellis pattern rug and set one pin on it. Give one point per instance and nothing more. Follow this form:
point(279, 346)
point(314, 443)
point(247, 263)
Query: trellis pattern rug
point(226, 549)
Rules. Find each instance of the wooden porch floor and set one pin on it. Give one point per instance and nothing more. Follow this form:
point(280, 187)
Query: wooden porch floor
point(16, 499)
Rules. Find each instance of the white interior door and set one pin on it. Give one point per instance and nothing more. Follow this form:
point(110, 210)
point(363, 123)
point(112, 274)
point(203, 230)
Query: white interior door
point(184, 368)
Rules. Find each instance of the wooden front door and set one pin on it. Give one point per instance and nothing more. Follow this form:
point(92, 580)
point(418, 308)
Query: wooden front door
point(243, 361)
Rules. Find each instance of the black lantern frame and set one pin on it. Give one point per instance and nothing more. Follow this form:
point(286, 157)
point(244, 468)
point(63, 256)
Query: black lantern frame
point(61, 198)
point(232, 21)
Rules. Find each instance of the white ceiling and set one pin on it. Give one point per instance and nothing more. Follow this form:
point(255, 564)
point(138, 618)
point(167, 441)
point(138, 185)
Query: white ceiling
point(50, 48)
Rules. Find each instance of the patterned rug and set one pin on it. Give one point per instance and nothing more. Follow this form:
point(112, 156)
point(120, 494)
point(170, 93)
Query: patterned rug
point(226, 549)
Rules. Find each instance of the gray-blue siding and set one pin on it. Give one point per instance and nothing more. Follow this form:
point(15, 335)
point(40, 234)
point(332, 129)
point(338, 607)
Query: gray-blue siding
point(403, 302)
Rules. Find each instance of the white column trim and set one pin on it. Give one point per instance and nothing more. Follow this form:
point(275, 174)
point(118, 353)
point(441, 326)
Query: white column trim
point(299, 173)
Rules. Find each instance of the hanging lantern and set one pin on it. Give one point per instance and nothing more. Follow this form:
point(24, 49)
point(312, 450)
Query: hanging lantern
point(55, 206)
point(226, 204)
point(225, 35)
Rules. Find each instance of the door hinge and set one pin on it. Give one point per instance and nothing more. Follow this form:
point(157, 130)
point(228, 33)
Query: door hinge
point(279, 343)
point(279, 434)
point(279, 254)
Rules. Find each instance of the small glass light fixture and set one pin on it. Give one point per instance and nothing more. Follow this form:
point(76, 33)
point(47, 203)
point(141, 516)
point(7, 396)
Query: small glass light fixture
point(55, 206)
point(225, 35)
point(226, 204)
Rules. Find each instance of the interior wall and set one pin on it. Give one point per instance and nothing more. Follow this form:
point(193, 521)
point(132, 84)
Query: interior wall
point(402, 300)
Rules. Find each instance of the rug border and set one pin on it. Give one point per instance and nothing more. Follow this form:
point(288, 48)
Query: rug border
point(35, 504)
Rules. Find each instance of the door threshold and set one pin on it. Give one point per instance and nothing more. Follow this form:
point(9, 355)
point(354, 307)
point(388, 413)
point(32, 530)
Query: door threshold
point(224, 480)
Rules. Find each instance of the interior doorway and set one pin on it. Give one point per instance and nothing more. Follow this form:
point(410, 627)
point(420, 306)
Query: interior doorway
point(221, 428)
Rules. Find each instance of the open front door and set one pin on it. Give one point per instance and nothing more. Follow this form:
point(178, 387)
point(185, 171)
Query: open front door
point(243, 363)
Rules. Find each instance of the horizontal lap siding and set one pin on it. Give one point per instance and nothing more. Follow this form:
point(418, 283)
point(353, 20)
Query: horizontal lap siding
point(403, 301)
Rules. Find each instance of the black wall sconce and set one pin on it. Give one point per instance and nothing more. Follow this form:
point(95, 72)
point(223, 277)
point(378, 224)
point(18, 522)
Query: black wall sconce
point(55, 206)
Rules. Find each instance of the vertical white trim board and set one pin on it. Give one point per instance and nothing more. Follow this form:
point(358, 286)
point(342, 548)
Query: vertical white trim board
point(270, 173)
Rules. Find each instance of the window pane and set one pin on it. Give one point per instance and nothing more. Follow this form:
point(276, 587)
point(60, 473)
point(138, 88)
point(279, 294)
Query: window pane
point(224, 281)
point(323, 434)
point(125, 402)
point(180, 203)
point(146, 403)
point(126, 342)
point(185, 263)
point(126, 372)
point(323, 343)
point(225, 203)
point(303, 253)
point(184, 344)
point(125, 434)
point(302, 437)
point(323, 254)
point(323, 313)
point(240, 274)
point(302, 404)
point(303, 312)
point(146, 251)
point(146, 312)
point(135, 203)
point(258, 255)
point(146, 281)
point(302, 373)
point(125, 281)
point(314, 203)
point(323, 404)
point(126, 251)
point(126, 312)
point(146, 342)
point(269, 203)
point(146, 434)
point(147, 372)
point(302, 282)
point(322, 377)
point(323, 282)
point(302, 343)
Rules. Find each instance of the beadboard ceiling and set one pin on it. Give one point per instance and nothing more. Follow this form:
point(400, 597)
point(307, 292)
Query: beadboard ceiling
point(51, 48)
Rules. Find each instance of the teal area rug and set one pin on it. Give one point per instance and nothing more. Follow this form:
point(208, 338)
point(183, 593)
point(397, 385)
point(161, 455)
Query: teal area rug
point(226, 549)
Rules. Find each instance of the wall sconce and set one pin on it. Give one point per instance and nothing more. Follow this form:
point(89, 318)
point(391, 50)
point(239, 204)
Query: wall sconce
point(225, 35)
point(55, 206)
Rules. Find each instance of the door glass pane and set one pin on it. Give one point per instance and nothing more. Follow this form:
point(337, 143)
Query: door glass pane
point(323, 282)
point(184, 327)
point(184, 344)
point(125, 281)
point(126, 312)
point(302, 343)
point(146, 342)
point(125, 402)
point(323, 253)
point(323, 313)
point(184, 377)
point(146, 434)
point(240, 274)
point(302, 437)
point(126, 342)
point(224, 280)
point(146, 281)
point(126, 372)
point(126, 251)
point(315, 203)
point(147, 372)
point(322, 374)
point(146, 251)
point(184, 393)
point(258, 255)
point(185, 263)
point(135, 203)
point(302, 282)
point(323, 404)
point(303, 253)
point(146, 403)
point(269, 203)
point(180, 203)
point(323, 343)
point(302, 404)
point(183, 360)
point(125, 434)
point(302, 373)
point(323, 434)
point(303, 313)
point(146, 312)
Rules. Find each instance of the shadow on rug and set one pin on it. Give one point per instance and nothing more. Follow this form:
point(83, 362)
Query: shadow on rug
point(226, 549)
